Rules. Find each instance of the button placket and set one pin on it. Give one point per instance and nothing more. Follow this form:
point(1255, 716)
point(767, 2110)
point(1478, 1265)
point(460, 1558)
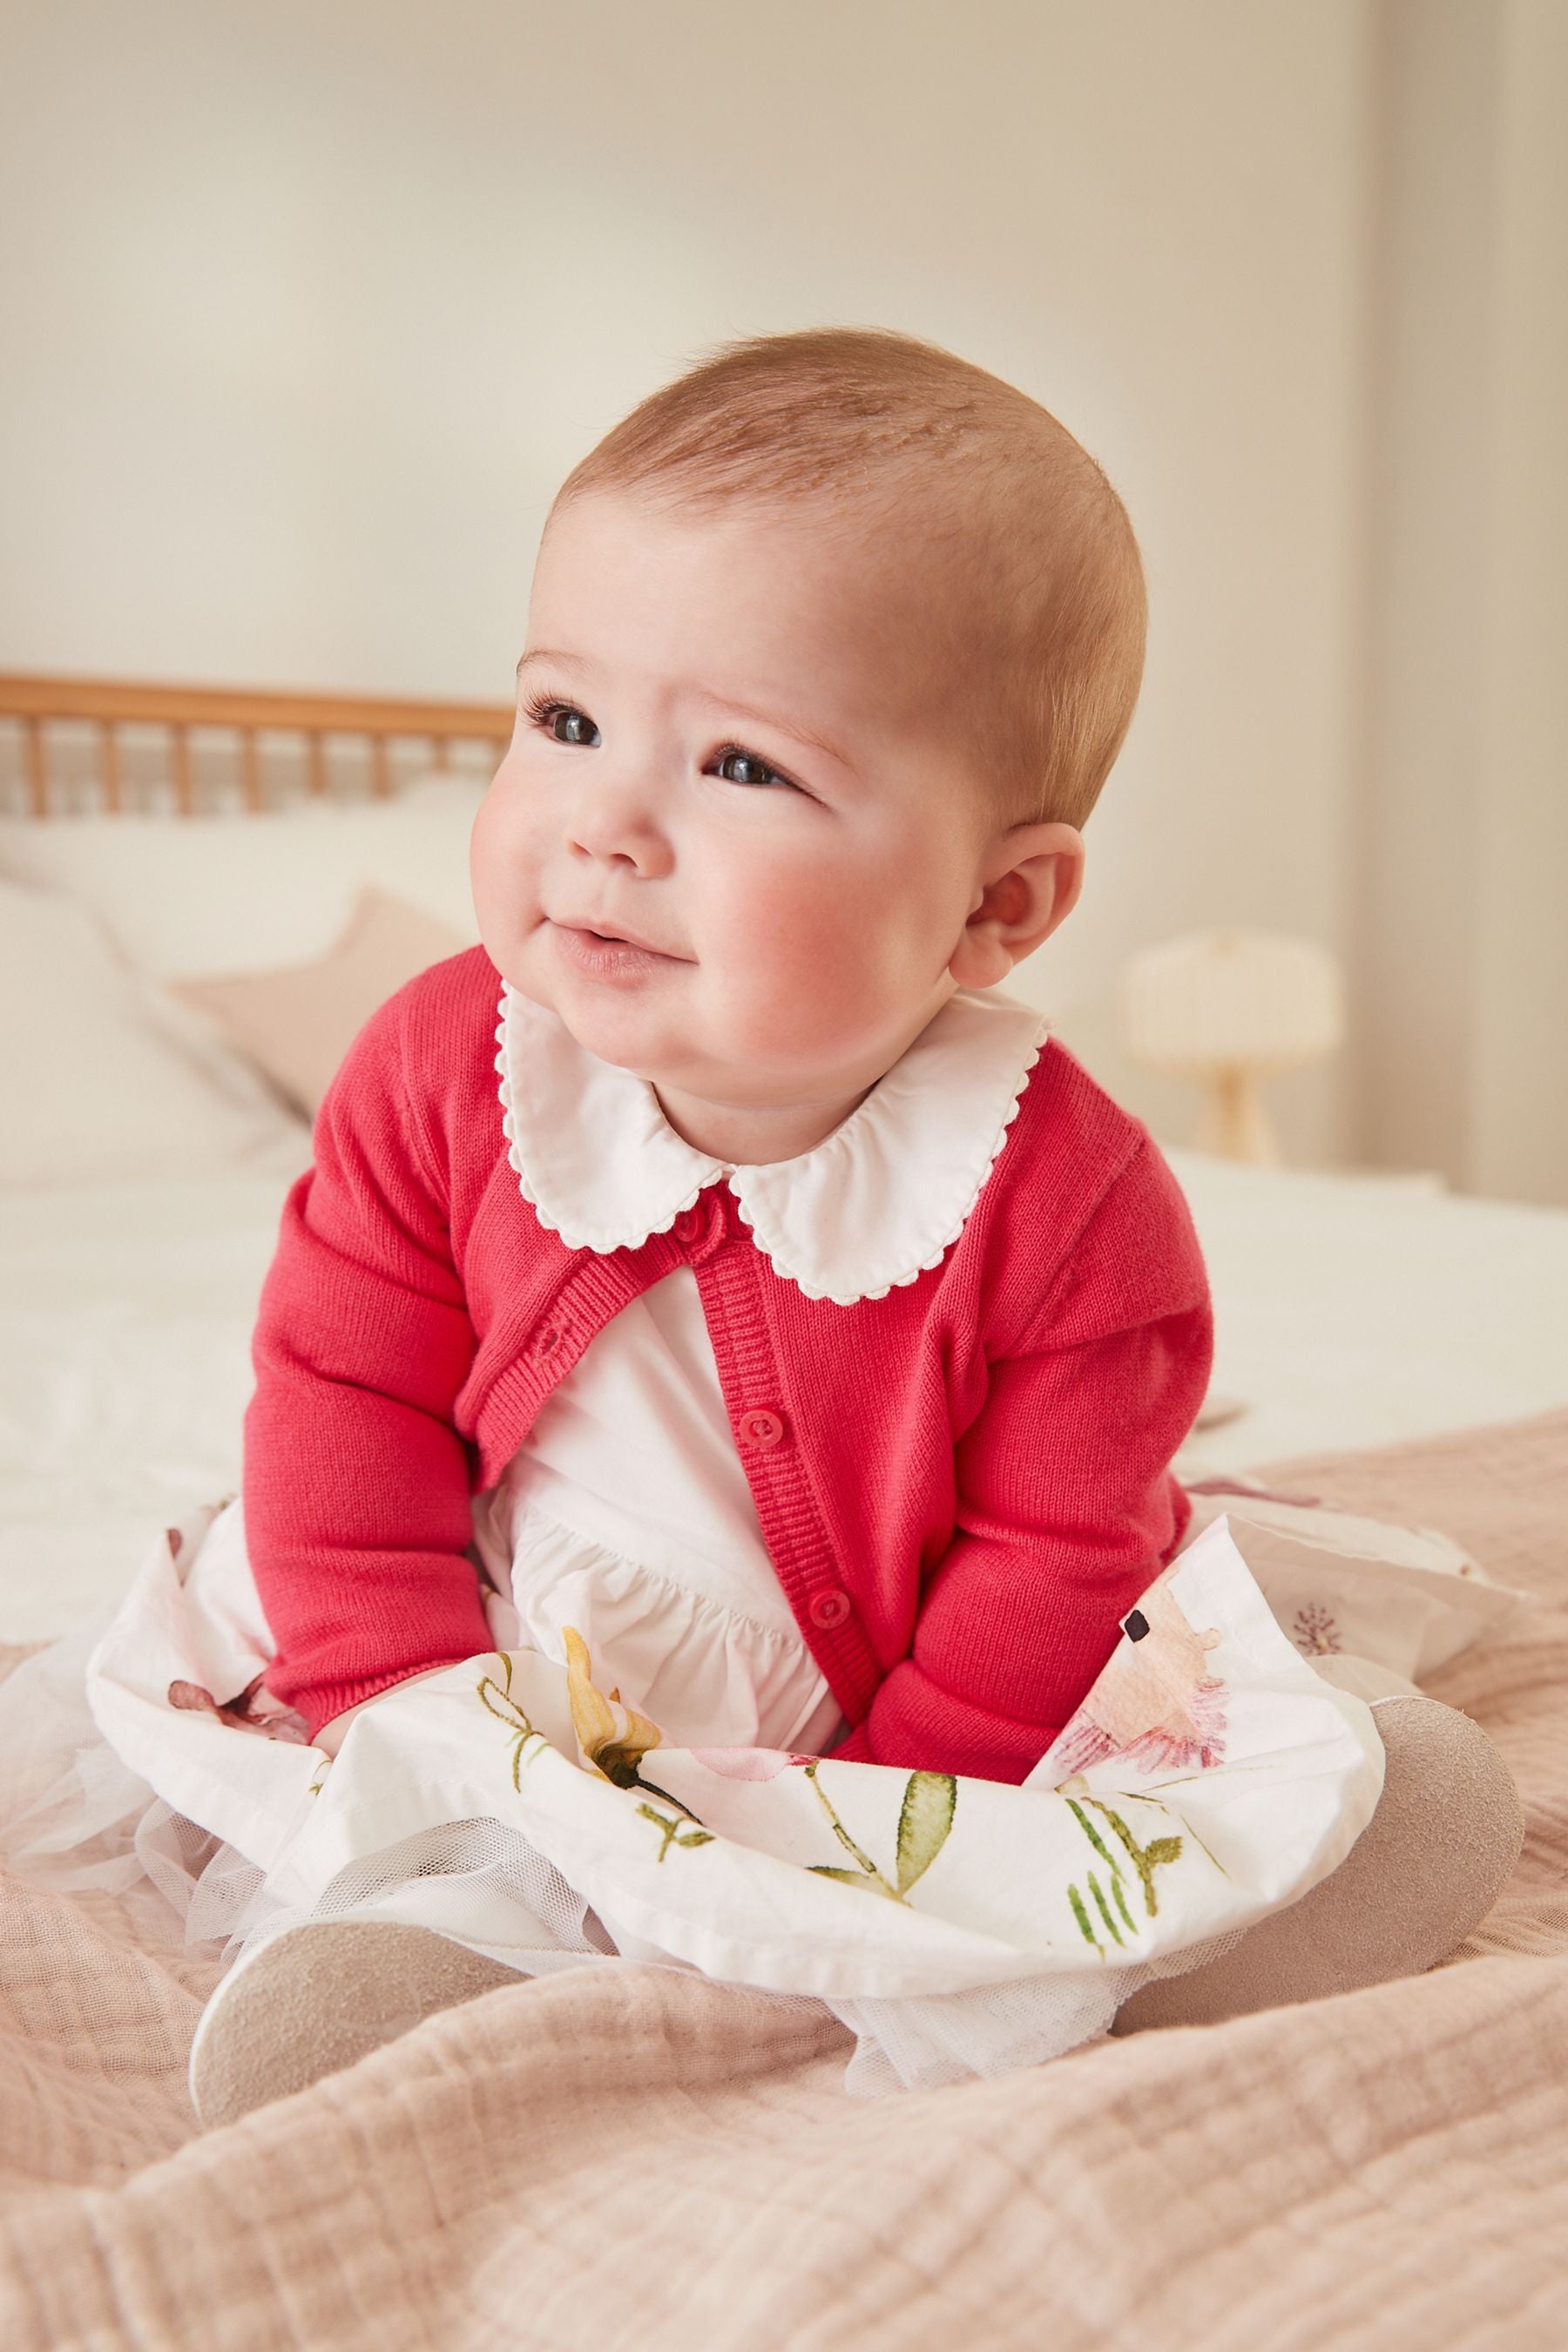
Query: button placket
point(770, 1443)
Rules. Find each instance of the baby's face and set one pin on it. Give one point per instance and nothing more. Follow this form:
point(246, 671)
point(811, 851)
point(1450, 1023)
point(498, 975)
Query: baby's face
point(729, 844)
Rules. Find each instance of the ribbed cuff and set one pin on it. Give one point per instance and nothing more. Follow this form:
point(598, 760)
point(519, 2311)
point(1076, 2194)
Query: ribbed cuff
point(325, 1704)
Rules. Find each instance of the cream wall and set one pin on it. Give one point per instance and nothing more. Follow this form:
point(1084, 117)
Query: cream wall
point(1518, 1140)
point(1460, 840)
point(308, 309)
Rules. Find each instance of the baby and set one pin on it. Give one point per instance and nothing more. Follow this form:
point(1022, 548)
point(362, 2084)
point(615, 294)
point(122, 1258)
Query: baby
point(831, 1306)
point(709, 1302)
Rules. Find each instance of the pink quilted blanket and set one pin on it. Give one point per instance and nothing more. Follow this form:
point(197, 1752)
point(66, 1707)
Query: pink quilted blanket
point(643, 2159)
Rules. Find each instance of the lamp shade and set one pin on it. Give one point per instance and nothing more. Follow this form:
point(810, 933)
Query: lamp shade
point(1232, 1001)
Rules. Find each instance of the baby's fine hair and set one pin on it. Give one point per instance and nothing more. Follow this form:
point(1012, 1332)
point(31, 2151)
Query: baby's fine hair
point(1040, 609)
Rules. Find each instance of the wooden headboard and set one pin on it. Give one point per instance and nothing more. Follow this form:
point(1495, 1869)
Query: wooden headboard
point(244, 714)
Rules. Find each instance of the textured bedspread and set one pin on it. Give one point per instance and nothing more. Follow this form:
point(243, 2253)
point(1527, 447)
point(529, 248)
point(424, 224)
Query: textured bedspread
point(640, 2158)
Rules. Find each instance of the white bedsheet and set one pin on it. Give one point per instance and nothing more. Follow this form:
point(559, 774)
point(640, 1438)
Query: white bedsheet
point(1351, 1311)
point(1361, 1309)
point(125, 1314)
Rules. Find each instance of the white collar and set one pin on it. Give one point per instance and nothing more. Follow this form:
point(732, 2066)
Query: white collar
point(869, 1208)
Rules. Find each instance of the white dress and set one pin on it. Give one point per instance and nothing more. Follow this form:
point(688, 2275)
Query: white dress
point(641, 1770)
point(627, 1511)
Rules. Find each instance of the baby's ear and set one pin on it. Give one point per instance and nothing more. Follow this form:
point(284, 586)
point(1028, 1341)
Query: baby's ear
point(1028, 885)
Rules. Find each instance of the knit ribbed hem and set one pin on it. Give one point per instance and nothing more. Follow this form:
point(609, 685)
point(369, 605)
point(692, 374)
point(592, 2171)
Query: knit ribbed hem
point(324, 1704)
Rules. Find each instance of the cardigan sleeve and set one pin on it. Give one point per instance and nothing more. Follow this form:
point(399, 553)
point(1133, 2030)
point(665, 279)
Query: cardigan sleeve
point(356, 1489)
point(1066, 1507)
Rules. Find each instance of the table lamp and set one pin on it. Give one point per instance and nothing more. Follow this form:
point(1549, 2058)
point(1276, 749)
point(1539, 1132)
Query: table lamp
point(1228, 1008)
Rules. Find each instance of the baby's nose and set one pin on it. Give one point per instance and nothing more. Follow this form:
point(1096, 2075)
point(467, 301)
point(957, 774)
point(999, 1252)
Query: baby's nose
point(615, 826)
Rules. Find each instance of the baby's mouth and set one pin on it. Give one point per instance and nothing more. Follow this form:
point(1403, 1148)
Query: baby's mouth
point(596, 944)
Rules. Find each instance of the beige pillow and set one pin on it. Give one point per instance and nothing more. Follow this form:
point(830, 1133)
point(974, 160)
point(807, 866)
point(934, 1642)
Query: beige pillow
point(296, 1024)
point(205, 896)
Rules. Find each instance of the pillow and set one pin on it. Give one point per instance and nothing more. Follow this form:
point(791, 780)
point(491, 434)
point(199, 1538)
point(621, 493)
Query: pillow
point(100, 1081)
point(200, 897)
point(296, 1024)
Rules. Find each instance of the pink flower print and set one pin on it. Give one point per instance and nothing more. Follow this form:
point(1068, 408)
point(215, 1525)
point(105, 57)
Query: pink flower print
point(749, 1763)
point(1155, 1703)
point(181, 1548)
point(1316, 1634)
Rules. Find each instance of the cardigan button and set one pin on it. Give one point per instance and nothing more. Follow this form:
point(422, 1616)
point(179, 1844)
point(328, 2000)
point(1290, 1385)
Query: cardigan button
point(548, 1341)
point(828, 1609)
point(689, 1226)
point(761, 1428)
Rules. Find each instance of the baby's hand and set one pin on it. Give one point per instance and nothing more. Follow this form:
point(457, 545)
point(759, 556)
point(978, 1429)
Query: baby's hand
point(329, 1738)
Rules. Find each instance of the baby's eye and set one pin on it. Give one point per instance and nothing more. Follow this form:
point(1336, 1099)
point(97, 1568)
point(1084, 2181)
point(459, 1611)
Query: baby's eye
point(739, 767)
point(565, 723)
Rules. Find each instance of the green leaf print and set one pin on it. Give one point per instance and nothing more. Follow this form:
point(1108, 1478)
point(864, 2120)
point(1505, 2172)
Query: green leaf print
point(924, 1821)
point(1144, 1858)
point(497, 1700)
point(1145, 1861)
point(1092, 1834)
point(674, 1830)
point(1103, 1907)
point(875, 1884)
point(1081, 1916)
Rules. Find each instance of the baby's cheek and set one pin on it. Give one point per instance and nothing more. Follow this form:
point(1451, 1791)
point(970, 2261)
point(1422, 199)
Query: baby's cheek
point(808, 971)
point(806, 931)
point(502, 868)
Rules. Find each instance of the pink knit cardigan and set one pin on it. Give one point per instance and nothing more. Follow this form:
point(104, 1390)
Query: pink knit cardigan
point(964, 1485)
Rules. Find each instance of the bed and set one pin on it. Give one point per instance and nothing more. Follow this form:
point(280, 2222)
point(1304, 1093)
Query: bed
point(674, 2161)
point(641, 2158)
point(183, 874)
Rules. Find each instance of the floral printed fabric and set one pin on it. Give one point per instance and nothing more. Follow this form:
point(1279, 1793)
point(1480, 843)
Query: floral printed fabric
point(1408, 1597)
point(1210, 1777)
